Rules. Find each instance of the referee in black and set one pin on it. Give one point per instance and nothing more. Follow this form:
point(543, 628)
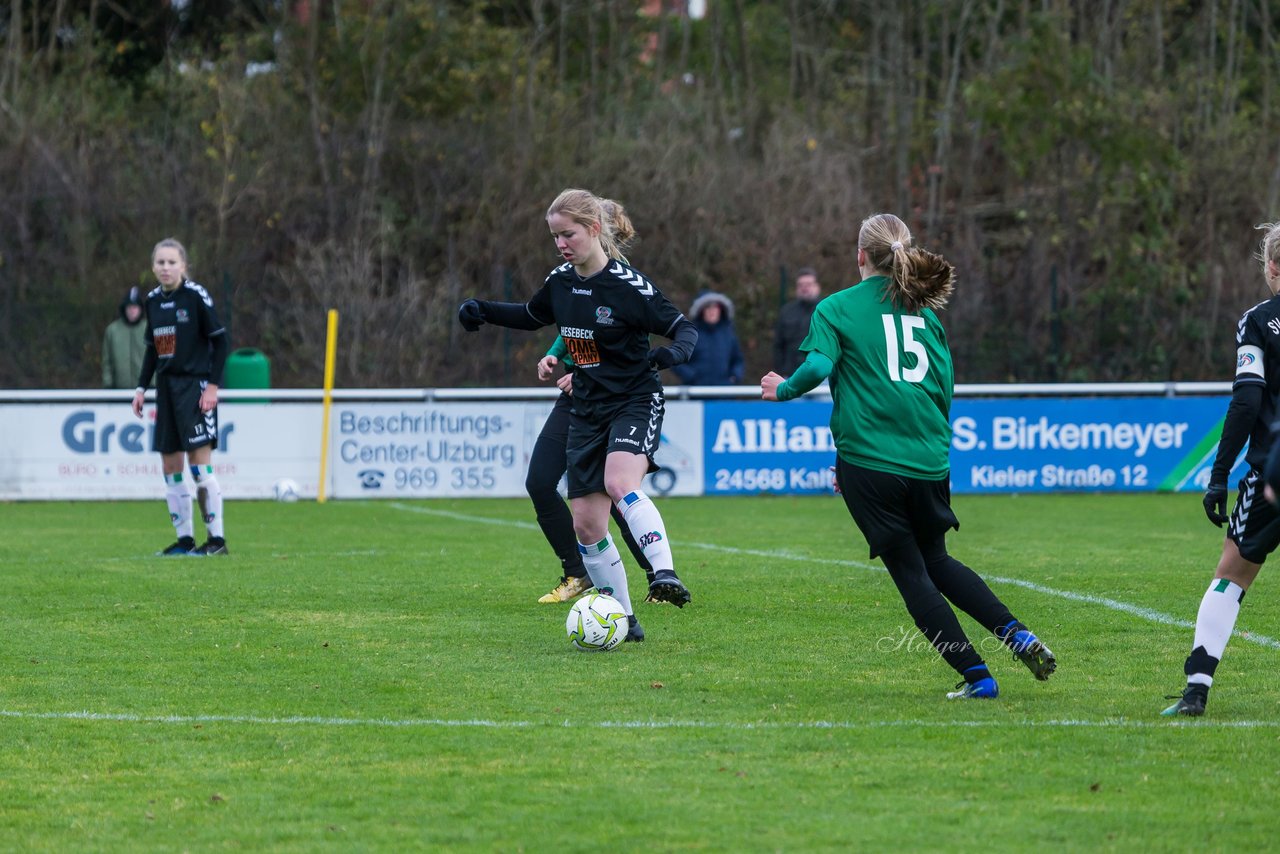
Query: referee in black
point(187, 348)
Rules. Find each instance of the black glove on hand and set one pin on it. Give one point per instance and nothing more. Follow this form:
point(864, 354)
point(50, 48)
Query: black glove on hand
point(470, 315)
point(662, 358)
point(1215, 503)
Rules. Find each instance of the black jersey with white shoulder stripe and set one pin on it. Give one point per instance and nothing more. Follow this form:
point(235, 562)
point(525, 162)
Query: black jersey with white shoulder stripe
point(1258, 363)
point(180, 326)
point(605, 321)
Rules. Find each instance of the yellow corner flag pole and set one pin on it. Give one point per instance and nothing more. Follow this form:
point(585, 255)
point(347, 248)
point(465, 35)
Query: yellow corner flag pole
point(330, 351)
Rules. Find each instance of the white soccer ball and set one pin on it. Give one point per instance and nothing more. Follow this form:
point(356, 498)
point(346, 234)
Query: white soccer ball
point(285, 490)
point(597, 622)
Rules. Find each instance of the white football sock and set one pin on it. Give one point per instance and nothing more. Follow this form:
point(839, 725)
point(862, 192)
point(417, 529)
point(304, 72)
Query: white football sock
point(179, 501)
point(207, 481)
point(1214, 622)
point(647, 528)
point(604, 565)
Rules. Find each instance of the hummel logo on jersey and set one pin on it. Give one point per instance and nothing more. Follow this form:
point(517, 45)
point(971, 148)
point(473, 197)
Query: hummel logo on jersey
point(582, 292)
point(637, 281)
point(168, 304)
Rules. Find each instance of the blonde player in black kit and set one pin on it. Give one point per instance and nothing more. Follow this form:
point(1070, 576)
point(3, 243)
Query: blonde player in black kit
point(1253, 529)
point(605, 311)
point(186, 350)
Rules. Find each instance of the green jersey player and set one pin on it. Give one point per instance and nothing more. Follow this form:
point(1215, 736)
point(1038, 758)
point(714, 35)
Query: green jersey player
point(885, 352)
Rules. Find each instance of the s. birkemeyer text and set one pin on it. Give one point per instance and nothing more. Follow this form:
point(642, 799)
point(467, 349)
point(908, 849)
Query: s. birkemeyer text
point(1019, 434)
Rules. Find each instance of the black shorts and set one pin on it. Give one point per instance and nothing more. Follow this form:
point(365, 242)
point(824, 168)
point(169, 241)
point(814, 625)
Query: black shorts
point(1255, 522)
point(633, 425)
point(891, 509)
point(180, 425)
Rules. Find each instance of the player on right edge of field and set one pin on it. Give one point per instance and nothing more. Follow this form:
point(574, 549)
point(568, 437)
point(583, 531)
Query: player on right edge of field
point(886, 353)
point(1253, 531)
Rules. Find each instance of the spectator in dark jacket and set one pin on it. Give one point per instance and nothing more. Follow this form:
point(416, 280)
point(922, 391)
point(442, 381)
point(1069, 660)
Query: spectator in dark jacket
point(717, 358)
point(793, 322)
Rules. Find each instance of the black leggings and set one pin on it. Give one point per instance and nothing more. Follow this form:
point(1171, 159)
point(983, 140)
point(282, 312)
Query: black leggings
point(927, 578)
point(546, 466)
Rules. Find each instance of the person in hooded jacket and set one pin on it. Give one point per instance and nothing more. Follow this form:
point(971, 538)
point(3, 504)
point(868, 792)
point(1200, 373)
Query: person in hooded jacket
point(124, 343)
point(717, 360)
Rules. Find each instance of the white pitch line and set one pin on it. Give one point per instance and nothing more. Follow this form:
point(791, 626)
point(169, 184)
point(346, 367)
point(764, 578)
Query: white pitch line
point(741, 726)
point(1112, 604)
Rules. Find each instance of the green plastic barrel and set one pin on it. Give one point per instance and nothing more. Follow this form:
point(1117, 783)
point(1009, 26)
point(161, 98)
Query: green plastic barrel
point(247, 368)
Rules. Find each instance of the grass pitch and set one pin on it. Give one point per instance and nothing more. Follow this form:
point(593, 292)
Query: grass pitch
point(379, 676)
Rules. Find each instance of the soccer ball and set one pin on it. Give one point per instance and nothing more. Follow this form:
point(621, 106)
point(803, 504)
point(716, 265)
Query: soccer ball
point(597, 622)
point(285, 490)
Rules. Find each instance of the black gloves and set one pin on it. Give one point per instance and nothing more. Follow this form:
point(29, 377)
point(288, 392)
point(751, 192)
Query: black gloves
point(1215, 503)
point(662, 358)
point(471, 315)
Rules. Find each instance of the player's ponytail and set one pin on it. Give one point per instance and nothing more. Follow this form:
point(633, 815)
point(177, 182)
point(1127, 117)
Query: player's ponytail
point(918, 279)
point(618, 232)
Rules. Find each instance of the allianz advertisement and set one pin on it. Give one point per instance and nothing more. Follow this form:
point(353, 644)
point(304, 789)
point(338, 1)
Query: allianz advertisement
point(998, 445)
